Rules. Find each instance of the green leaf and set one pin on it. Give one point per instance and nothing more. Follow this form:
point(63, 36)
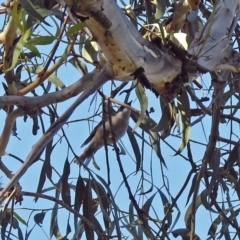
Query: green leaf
point(90, 52)
point(52, 78)
point(23, 15)
point(30, 9)
point(41, 40)
point(80, 66)
point(185, 114)
point(160, 9)
point(135, 148)
point(15, 16)
point(155, 141)
point(167, 113)
point(143, 100)
point(75, 28)
point(32, 49)
point(18, 48)
point(19, 218)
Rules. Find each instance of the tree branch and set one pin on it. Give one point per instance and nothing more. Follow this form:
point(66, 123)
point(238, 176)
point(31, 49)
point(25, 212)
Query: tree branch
point(53, 129)
point(215, 38)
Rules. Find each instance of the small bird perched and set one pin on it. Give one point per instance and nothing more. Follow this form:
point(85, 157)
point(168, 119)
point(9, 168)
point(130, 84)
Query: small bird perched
point(119, 122)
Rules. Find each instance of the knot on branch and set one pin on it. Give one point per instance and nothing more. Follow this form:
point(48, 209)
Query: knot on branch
point(102, 19)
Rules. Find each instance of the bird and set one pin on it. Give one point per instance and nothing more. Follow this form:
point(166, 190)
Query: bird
point(95, 141)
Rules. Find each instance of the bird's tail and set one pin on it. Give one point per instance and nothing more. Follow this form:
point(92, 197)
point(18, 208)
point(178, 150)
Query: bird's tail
point(86, 156)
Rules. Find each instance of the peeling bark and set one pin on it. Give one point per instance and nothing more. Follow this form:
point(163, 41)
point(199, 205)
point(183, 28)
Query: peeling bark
point(124, 49)
point(212, 46)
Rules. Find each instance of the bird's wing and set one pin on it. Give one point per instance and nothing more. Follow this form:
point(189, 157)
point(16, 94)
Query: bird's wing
point(88, 140)
point(90, 136)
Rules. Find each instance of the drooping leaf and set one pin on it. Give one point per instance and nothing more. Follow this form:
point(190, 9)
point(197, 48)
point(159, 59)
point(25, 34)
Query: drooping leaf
point(90, 52)
point(15, 16)
point(164, 199)
point(145, 226)
point(147, 124)
point(131, 218)
point(28, 233)
point(135, 148)
point(13, 221)
point(66, 196)
point(41, 40)
point(155, 141)
point(213, 228)
point(215, 162)
point(102, 199)
point(28, 6)
point(79, 195)
point(166, 117)
point(115, 208)
point(46, 169)
point(192, 188)
point(185, 113)
point(80, 66)
point(32, 49)
point(75, 28)
point(20, 219)
point(146, 206)
point(143, 100)
point(54, 228)
point(18, 48)
point(190, 211)
point(166, 206)
point(68, 229)
point(52, 78)
point(88, 211)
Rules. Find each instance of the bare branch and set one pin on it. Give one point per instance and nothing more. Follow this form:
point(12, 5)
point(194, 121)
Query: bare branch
point(53, 129)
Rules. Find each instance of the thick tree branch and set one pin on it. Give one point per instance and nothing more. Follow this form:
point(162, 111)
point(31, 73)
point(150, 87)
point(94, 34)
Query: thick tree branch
point(212, 47)
point(124, 49)
point(9, 122)
point(87, 81)
point(53, 129)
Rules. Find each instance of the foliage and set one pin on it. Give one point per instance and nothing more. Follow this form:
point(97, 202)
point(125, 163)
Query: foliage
point(157, 180)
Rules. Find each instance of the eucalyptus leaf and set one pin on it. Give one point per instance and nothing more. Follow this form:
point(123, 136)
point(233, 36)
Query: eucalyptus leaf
point(185, 114)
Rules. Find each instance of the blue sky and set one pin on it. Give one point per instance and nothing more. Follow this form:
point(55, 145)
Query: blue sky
point(176, 172)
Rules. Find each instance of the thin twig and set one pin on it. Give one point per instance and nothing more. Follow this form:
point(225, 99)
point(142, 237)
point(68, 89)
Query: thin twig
point(218, 93)
point(53, 129)
point(64, 205)
point(44, 74)
point(195, 99)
